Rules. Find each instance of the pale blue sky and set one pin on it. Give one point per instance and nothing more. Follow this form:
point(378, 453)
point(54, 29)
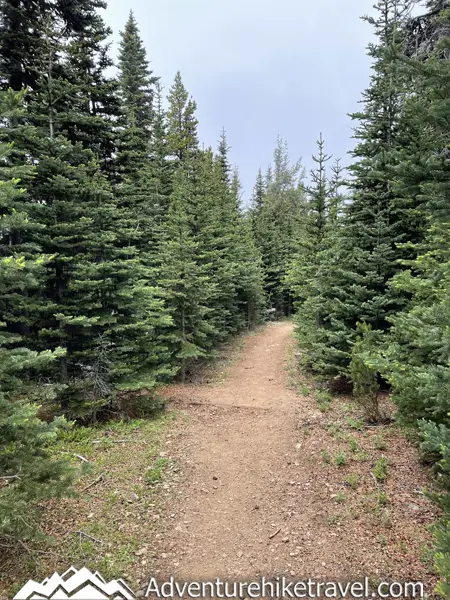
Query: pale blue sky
point(259, 68)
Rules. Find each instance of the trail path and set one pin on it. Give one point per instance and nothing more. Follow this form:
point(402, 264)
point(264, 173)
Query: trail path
point(257, 498)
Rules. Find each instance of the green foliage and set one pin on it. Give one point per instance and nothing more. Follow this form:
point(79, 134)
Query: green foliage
point(357, 253)
point(442, 557)
point(135, 78)
point(29, 474)
point(276, 217)
point(363, 375)
point(182, 136)
point(354, 446)
point(415, 356)
point(380, 469)
point(323, 400)
point(124, 252)
point(436, 447)
point(341, 459)
point(326, 456)
point(155, 473)
point(352, 480)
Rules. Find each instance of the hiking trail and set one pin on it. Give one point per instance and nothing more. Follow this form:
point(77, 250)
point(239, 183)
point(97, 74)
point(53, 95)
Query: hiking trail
point(256, 497)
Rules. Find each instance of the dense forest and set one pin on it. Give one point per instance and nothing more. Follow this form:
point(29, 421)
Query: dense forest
point(127, 253)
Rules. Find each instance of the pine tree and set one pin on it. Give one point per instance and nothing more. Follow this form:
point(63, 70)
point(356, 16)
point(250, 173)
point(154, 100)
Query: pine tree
point(310, 236)
point(415, 353)
point(367, 249)
point(96, 301)
point(22, 42)
point(135, 78)
point(258, 195)
point(240, 294)
point(29, 473)
point(159, 153)
point(415, 356)
point(251, 299)
point(138, 186)
point(276, 223)
point(182, 123)
point(312, 273)
point(93, 106)
point(222, 152)
point(183, 277)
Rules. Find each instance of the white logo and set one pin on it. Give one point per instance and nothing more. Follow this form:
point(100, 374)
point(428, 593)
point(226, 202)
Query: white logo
point(82, 585)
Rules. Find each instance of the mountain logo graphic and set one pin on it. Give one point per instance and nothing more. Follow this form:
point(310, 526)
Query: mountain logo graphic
point(74, 584)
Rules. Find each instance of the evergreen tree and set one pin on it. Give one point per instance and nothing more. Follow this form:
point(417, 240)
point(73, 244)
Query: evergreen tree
point(259, 191)
point(310, 237)
point(159, 153)
point(29, 474)
point(276, 223)
point(22, 42)
point(251, 300)
point(222, 152)
point(367, 249)
point(93, 107)
point(96, 301)
point(138, 189)
point(182, 122)
point(184, 279)
point(135, 78)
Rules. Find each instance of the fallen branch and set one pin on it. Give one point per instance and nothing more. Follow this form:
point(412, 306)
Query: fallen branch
point(81, 458)
point(88, 487)
point(31, 550)
point(117, 441)
point(343, 425)
point(10, 477)
point(375, 479)
point(82, 533)
point(274, 534)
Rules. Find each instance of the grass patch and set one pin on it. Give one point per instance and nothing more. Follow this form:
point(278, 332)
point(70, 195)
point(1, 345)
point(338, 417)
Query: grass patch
point(333, 519)
point(304, 390)
point(341, 459)
point(380, 470)
point(354, 446)
point(357, 424)
point(155, 474)
point(116, 506)
point(340, 497)
point(379, 443)
point(335, 430)
point(323, 400)
point(353, 480)
point(326, 457)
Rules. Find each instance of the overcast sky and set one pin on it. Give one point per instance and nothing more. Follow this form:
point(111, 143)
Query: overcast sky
point(259, 68)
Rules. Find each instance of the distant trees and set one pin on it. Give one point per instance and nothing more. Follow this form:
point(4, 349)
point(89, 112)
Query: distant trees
point(276, 215)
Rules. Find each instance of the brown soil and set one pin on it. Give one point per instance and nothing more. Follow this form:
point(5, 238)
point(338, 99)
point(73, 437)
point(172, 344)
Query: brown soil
point(263, 493)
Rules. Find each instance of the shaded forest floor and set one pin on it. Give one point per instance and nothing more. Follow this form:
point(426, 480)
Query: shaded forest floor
point(250, 472)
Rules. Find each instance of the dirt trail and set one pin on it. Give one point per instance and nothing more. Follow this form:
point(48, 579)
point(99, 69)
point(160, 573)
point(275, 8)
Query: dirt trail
point(257, 498)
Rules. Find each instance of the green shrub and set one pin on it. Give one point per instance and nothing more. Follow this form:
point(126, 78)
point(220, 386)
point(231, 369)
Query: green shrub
point(380, 470)
point(363, 374)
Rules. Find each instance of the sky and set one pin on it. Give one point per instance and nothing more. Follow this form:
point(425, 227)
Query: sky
point(260, 68)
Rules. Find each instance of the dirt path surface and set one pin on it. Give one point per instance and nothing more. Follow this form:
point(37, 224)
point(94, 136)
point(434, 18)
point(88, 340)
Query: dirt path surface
point(258, 498)
point(239, 447)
